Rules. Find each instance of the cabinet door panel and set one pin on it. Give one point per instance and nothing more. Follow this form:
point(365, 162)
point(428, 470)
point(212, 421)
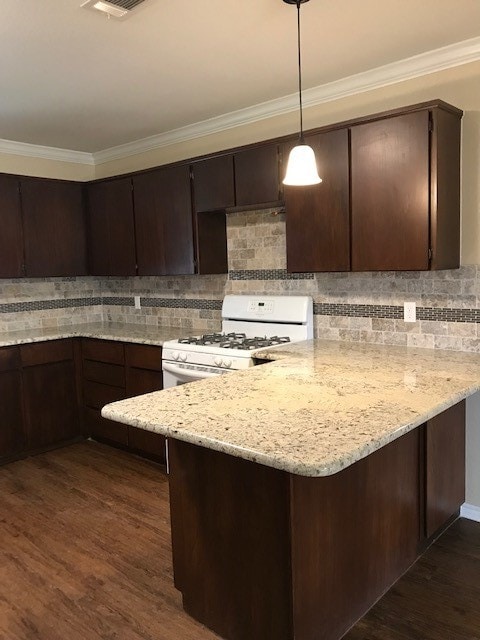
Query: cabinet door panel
point(147, 442)
point(163, 222)
point(318, 218)
point(103, 351)
point(445, 466)
point(214, 185)
point(144, 356)
point(105, 429)
point(97, 395)
point(256, 175)
point(54, 228)
point(11, 238)
point(50, 398)
point(390, 193)
point(111, 229)
point(140, 381)
point(11, 416)
point(112, 374)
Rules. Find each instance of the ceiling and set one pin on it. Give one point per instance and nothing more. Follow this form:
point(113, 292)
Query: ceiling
point(71, 78)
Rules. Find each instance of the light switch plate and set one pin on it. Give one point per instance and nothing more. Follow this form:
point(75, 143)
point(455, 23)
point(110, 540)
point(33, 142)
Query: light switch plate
point(137, 302)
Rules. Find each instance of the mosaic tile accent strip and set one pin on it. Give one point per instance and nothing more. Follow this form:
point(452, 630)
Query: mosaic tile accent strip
point(43, 305)
point(268, 274)
point(182, 303)
point(319, 308)
point(396, 312)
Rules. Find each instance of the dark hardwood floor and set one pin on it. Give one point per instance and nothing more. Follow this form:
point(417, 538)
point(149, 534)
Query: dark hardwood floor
point(437, 599)
point(85, 550)
point(85, 555)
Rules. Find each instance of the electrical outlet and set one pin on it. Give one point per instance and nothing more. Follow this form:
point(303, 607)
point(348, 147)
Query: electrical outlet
point(410, 311)
point(137, 302)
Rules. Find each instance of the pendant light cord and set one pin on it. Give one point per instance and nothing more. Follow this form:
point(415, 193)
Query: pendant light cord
point(300, 72)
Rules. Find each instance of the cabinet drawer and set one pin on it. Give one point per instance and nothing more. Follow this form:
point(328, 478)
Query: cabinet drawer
point(111, 374)
point(144, 356)
point(147, 442)
point(9, 358)
point(105, 429)
point(103, 351)
point(98, 395)
point(46, 352)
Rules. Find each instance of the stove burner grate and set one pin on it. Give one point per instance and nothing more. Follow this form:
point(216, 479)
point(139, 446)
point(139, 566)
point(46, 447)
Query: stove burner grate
point(234, 341)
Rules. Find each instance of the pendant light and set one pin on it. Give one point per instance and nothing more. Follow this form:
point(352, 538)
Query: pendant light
point(302, 167)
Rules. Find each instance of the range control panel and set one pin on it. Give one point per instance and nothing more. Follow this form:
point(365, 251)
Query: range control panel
point(261, 307)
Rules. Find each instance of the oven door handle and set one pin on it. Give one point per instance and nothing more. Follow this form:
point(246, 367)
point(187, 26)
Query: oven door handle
point(187, 373)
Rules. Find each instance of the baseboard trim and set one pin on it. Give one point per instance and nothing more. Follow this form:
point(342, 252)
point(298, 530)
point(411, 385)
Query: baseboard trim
point(470, 511)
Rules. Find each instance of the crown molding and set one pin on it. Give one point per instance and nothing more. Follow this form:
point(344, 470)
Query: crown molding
point(453, 55)
point(437, 60)
point(45, 153)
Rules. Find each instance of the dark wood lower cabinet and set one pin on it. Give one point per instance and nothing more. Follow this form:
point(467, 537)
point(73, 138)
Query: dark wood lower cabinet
point(49, 393)
point(260, 553)
point(12, 436)
point(113, 371)
point(444, 467)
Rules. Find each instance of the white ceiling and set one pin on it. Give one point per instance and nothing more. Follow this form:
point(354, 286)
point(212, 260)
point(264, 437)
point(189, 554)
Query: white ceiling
point(71, 78)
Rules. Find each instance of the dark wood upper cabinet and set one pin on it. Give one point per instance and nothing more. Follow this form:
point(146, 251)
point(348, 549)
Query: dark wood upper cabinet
point(213, 183)
point(163, 221)
point(257, 176)
point(54, 228)
point(390, 193)
point(11, 238)
point(111, 232)
point(405, 176)
point(318, 217)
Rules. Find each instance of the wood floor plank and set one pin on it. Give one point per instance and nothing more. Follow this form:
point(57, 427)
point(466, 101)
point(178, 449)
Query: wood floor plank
point(85, 550)
point(85, 555)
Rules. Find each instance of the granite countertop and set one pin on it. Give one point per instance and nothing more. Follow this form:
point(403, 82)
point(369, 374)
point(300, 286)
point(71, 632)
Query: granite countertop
point(318, 408)
point(140, 334)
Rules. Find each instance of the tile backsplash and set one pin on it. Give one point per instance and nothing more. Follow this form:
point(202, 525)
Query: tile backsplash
point(348, 306)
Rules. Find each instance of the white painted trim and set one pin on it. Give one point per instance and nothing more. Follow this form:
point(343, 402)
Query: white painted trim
point(470, 511)
point(447, 57)
point(437, 60)
point(46, 153)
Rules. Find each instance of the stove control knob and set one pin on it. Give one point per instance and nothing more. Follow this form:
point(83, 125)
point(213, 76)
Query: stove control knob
point(218, 362)
point(227, 363)
point(175, 355)
point(183, 357)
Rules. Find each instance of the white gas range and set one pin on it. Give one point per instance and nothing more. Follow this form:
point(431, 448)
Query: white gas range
point(249, 324)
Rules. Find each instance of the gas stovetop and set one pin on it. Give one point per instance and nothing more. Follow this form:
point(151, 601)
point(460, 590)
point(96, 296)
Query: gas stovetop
point(234, 341)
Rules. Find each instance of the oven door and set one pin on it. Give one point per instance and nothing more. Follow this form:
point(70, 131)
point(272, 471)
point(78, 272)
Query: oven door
point(175, 373)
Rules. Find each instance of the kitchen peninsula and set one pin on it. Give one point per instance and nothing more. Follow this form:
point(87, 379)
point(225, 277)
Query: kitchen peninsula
point(303, 488)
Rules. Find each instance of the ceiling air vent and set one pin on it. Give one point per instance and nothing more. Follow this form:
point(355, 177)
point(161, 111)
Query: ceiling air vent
point(113, 8)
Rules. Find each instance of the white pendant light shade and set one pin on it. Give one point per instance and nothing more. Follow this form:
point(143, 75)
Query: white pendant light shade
point(302, 167)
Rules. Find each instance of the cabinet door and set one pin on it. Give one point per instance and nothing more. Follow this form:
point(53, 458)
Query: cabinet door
point(163, 221)
point(213, 183)
point(50, 395)
point(390, 193)
point(445, 467)
point(54, 228)
point(11, 238)
point(111, 232)
point(256, 176)
point(11, 416)
point(318, 217)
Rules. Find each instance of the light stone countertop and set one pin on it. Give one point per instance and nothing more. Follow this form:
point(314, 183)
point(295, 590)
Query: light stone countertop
point(135, 333)
point(318, 408)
